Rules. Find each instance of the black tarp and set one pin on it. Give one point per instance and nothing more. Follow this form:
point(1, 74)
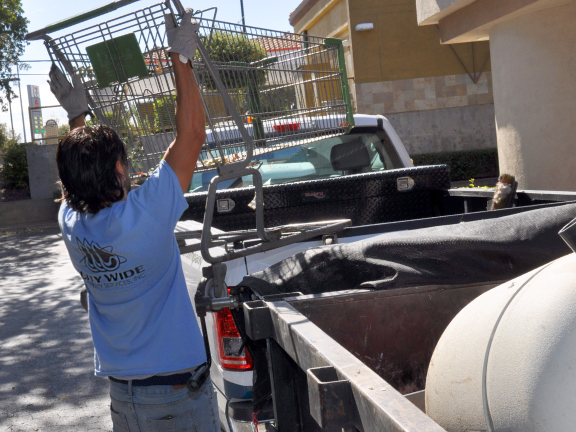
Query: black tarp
point(480, 251)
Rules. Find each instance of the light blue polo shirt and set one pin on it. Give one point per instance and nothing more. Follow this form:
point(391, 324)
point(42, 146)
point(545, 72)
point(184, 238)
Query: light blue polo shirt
point(141, 316)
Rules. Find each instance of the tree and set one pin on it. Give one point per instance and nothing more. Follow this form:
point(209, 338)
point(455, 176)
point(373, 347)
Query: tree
point(5, 140)
point(13, 29)
point(63, 129)
point(238, 51)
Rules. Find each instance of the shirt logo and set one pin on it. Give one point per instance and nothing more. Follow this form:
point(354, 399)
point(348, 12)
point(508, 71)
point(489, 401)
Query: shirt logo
point(97, 258)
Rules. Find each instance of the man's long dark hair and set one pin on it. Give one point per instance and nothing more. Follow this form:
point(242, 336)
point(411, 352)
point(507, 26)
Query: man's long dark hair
point(86, 159)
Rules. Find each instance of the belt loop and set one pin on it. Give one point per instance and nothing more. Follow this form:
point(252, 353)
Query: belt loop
point(130, 390)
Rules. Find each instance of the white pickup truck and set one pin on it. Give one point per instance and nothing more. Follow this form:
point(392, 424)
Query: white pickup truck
point(367, 172)
point(381, 150)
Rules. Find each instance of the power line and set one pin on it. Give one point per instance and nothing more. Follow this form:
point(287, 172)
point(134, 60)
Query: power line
point(27, 61)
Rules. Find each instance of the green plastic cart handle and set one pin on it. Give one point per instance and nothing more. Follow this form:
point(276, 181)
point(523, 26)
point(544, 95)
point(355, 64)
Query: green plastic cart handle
point(345, 89)
point(77, 19)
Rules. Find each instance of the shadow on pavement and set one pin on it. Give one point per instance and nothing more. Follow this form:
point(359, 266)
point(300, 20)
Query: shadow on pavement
point(46, 352)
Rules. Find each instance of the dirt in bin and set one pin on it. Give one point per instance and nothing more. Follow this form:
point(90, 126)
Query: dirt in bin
point(406, 378)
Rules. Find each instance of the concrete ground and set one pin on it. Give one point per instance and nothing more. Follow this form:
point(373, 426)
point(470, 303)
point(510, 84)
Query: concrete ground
point(47, 380)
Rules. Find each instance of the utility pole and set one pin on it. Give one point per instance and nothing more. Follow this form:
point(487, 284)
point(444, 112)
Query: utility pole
point(243, 19)
point(21, 106)
point(11, 119)
point(10, 105)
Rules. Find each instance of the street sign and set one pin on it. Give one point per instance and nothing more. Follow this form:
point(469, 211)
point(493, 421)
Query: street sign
point(52, 131)
point(37, 124)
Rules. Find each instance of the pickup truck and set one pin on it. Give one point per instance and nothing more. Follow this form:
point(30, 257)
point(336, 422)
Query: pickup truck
point(382, 194)
point(375, 299)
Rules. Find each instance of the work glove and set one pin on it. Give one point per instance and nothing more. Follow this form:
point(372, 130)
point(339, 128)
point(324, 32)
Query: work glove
point(182, 39)
point(72, 97)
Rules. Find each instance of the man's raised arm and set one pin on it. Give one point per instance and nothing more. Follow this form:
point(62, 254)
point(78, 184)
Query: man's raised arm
point(183, 153)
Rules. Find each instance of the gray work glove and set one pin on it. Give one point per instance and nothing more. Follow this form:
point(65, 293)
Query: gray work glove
point(182, 39)
point(72, 97)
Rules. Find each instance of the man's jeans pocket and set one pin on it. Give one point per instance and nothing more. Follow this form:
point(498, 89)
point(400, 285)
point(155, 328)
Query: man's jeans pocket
point(180, 423)
point(119, 422)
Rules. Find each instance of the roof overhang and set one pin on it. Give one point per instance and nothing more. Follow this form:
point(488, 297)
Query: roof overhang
point(471, 20)
point(302, 9)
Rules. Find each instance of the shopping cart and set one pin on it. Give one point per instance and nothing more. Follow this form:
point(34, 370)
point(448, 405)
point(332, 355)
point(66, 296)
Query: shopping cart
point(262, 91)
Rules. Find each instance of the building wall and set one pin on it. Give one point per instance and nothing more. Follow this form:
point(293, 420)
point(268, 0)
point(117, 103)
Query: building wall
point(449, 129)
point(397, 49)
point(402, 71)
point(435, 114)
point(418, 94)
point(535, 97)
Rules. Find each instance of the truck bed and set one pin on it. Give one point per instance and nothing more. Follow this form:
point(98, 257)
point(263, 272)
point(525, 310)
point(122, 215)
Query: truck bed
point(370, 313)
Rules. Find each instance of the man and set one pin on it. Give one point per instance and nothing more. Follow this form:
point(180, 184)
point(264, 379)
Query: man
point(145, 334)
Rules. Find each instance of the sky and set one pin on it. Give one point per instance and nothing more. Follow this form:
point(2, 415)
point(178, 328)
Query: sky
point(258, 13)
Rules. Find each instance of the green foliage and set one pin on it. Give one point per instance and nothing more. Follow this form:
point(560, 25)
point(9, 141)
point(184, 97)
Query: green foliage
point(472, 186)
point(164, 114)
point(15, 172)
point(237, 51)
point(5, 141)
point(13, 29)
point(119, 122)
point(463, 165)
point(63, 129)
point(281, 99)
point(86, 72)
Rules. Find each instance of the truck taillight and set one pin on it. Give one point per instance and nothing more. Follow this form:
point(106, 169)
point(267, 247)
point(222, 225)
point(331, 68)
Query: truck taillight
point(232, 355)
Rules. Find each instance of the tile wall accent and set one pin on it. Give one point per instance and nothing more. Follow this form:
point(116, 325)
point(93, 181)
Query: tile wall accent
point(423, 94)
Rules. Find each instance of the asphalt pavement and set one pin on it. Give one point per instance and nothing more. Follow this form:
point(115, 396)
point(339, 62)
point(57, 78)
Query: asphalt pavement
point(47, 380)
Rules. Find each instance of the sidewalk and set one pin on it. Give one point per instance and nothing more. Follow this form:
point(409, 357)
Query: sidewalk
point(47, 382)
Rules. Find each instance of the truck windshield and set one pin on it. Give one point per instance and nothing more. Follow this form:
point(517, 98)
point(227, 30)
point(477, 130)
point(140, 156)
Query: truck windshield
point(354, 153)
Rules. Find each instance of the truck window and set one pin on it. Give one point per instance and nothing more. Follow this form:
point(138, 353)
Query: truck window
point(354, 153)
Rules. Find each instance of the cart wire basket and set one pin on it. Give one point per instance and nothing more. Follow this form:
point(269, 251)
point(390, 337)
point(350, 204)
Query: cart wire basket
point(284, 89)
point(262, 90)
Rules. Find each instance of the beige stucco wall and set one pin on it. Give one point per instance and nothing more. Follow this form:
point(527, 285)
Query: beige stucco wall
point(397, 49)
point(534, 64)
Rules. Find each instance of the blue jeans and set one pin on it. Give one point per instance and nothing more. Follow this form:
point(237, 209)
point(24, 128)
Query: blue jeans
point(161, 408)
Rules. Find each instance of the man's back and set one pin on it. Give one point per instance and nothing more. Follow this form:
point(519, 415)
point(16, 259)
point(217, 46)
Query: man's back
point(141, 316)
